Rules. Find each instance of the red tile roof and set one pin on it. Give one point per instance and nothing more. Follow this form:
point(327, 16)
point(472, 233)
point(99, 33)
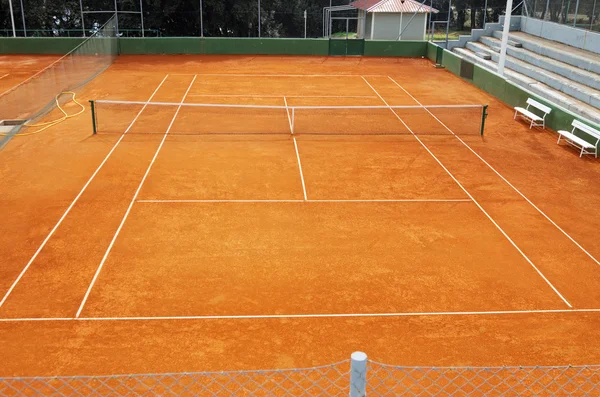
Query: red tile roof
point(392, 6)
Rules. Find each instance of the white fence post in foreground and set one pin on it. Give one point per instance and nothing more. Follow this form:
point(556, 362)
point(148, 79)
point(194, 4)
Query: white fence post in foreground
point(358, 374)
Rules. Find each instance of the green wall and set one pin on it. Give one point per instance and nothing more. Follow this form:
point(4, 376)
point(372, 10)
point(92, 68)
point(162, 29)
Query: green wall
point(34, 45)
point(404, 48)
point(228, 46)
point(160, 45)
point(266, 46)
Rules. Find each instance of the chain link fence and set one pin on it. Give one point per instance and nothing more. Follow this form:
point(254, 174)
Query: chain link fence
point(583, 14)
point(356, 377)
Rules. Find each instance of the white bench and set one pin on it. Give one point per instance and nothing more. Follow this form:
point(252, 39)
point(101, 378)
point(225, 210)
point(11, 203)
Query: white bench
point(587, 147)
point(536, 121)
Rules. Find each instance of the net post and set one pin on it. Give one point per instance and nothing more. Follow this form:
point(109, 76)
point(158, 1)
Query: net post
point(483, 117)
point(293, 117)
point(358, 374)
point(93, 107)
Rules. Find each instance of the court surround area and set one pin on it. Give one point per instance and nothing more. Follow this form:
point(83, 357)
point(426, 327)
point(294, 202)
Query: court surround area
point(181, 238)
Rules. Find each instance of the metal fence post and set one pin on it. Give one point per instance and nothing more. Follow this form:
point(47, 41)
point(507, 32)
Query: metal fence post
point(358, 374)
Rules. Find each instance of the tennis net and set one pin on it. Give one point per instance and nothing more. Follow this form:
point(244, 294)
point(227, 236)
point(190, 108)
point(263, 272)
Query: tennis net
point(198, 119)
point(35, 97)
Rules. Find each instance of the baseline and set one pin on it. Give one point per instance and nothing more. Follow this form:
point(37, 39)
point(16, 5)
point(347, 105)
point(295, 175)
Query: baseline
point(316, 315)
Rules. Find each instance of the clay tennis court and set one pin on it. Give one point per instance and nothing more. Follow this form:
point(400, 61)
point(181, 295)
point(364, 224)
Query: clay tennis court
point(172, 242)
point(14, 69)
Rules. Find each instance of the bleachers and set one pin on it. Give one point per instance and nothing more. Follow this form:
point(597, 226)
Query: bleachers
point(562, 74)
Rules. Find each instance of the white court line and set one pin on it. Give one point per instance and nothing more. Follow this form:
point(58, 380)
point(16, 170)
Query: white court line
point(310, 201)
point(276, 75)
point(296, 147)
point(505, 180)
point(477, 203)
point(279, 96)
point(305, 316)
point(7, 74)
point(137, 192)
point(12, 287)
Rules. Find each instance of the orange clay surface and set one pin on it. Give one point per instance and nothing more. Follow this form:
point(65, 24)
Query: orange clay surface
point(14, 69)
point(429, 255)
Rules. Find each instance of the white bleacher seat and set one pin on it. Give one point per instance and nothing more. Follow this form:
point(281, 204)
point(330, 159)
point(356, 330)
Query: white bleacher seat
point(587, 146)
point(527, 114)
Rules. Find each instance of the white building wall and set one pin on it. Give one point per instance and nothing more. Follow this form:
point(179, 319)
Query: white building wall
point(387, 26)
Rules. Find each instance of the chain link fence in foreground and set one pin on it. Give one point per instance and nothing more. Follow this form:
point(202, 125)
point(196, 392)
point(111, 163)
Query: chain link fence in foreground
point(356, 377)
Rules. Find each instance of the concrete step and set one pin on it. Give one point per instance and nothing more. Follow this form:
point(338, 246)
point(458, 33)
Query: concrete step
point(572, 88)
point(564, 69)
point(582, 59)
point(541, 89)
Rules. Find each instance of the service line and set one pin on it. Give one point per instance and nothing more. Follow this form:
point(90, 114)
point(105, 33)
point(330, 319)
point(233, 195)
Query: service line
point(309, 201)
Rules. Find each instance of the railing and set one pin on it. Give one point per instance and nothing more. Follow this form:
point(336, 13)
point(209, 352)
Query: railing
point(356, 377)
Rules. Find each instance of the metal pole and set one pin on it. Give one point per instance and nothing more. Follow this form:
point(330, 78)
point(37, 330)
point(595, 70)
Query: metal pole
point(358, 374)
point(201, 20)
point(576, 11)
point(547, 13)
point(502, 59)
point(23, 19)
point(347, 27)
point(430, 33)
point(12, 18)
point(448, 21)
point(116, 18)
point(142, 16)
point(305, 16)
point(411, 18)
point(593, 15)
point(258, 18)
point(485, 13)
point(82, 20)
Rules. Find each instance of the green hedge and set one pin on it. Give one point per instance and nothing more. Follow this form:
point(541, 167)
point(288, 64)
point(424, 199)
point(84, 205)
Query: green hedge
point(405, 48)
point(35, 45)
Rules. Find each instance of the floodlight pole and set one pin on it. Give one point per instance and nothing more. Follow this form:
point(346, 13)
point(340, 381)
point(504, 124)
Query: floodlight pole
point(305, 16)
point(505, 32)
point(201, 20)
point(142, 17)
point(593, 15)
point(23, 19)
point(12, 18)
point(258, 18)
point(82, 20)
point(576, 11)
point(485, 13)
point(448, 21)
point(117, 18)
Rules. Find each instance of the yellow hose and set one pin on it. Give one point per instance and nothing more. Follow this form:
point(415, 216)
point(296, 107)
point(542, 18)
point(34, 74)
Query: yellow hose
point(49, 124)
